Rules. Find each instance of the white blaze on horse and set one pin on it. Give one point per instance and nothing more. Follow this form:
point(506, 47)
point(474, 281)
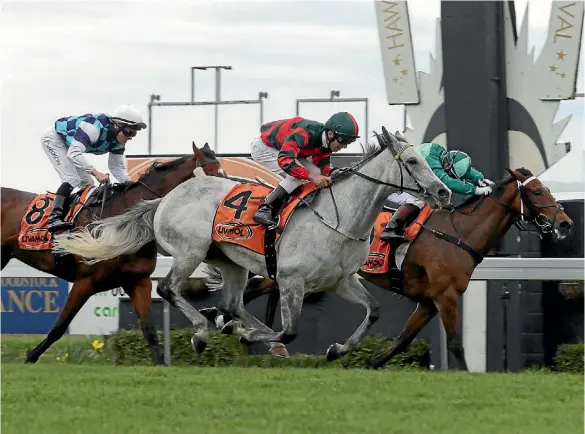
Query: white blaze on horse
point(322, 248)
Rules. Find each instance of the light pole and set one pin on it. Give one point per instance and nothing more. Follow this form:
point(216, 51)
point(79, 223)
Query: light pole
point(153, 98)
point(261, 96)
point(217, 69)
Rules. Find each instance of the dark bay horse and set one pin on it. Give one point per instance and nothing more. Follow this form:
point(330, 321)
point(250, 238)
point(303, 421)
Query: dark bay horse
point(463, 236)
point(131, 272)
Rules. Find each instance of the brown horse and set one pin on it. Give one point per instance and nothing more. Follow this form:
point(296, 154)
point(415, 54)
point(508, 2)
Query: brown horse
point(131, 272)
point(464, 235)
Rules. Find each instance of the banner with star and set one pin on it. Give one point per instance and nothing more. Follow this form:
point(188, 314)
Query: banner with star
point(397, 52)
point(558, 62)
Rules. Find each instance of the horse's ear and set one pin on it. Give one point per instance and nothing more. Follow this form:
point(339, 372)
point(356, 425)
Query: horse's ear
point(206, 146)
point(200, 156)
point(511, 172)
point(390, 139)
point(380, 140)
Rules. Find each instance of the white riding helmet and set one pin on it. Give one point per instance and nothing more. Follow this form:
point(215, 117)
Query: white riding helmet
point(128, 115)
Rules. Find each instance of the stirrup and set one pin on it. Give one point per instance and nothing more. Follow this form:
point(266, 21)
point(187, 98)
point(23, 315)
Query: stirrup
point(275, 225)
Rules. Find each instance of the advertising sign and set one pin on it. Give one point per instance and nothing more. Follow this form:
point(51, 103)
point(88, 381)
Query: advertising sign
point(30, 305)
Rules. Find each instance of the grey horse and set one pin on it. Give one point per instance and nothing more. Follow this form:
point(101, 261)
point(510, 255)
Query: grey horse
point(322, 248)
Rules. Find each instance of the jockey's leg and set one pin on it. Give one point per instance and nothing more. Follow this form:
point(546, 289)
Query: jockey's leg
point(56, 151)
point(409, 205)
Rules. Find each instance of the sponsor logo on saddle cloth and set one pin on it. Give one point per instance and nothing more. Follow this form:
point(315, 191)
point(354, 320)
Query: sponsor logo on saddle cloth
point(234, 223)
point(378, 261)
point(33, 233)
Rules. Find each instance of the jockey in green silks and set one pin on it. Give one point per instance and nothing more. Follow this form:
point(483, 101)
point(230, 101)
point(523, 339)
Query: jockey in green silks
point(453, 168)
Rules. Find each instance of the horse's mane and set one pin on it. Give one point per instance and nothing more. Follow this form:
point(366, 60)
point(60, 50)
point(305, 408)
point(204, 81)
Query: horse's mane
point(497, 189)
point(157, 166)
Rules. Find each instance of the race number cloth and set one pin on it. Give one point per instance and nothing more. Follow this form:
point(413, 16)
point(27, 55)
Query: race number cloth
point(233, 222)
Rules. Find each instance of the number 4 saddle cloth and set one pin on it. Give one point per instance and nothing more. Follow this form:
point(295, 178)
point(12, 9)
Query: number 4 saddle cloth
point(234, 223)
point(33, 233)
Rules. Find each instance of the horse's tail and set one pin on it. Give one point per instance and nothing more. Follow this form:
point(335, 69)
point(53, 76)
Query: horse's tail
point(114, 236)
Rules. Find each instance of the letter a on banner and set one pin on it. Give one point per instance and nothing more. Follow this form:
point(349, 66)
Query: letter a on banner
point(397, 52)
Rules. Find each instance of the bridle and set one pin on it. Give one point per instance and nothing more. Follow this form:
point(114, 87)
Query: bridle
point(544, 225)
point(537, 217)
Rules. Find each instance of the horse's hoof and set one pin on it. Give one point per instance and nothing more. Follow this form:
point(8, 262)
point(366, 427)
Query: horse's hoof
point(244, 341)
point(332, 353)
point(210, 313)
point(198, 343)
point(229, 328)
point(30, 358)
point(279, 351)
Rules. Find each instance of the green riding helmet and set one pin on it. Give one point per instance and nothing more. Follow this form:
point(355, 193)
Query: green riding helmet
point(457, 164)
point(343, 124)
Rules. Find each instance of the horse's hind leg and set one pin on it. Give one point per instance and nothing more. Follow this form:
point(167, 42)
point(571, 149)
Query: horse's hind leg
point(79, 294)
point(352, 290)
point(424, 312)
point(448, 304)
point(170, 289)
point(142, 302)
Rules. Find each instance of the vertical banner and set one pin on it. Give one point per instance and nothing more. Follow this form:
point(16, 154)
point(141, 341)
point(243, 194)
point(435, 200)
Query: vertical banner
point(559, 59)
point(397, 52)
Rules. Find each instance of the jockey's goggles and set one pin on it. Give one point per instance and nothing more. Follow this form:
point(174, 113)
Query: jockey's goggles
point(129, 131)
point(344, 140)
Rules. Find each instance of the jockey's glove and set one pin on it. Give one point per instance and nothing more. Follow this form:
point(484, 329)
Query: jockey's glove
point(483, 190)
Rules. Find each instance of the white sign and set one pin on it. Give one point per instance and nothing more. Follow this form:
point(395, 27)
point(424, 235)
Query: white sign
point(397, 52)
point(100, 315)
point(559, 59)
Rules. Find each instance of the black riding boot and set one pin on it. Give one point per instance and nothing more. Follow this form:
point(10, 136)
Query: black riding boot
point(268, 210)
point(55, 222)
point(395, 227)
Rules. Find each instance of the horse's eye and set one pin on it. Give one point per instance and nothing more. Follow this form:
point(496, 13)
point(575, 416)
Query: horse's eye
point(412, 161)
point(537, 192)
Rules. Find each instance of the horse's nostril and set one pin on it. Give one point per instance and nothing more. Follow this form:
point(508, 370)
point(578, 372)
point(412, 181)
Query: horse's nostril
point(565, 226)
point(443, 193)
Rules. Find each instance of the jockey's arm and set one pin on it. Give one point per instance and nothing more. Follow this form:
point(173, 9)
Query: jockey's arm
point(287, 157)
point(455, 185)
point(475, 175)
point(85, 135)
point(117, 167)
point(323, 162)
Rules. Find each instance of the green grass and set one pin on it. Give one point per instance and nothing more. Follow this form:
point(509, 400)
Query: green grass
point(62, 398)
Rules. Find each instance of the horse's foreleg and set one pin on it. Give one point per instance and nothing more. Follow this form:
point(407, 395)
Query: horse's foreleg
point(448, 304)
point(79, 294)
point(352, 290)
point(232, 301)
point(140, 295)
point(424, 312)
point(291, 303)
point(170, 287)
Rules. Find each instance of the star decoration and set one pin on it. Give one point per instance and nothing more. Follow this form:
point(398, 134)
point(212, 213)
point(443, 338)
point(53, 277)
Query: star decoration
point(561, 55)
point(404, 71)
point(553, 68)
point(397, 60)
point(395, 79)
point(562, 75)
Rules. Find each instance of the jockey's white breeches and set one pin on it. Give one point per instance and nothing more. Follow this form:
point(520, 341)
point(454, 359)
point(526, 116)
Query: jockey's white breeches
point(267, 156)
point(404, 197)
point(55, 148)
